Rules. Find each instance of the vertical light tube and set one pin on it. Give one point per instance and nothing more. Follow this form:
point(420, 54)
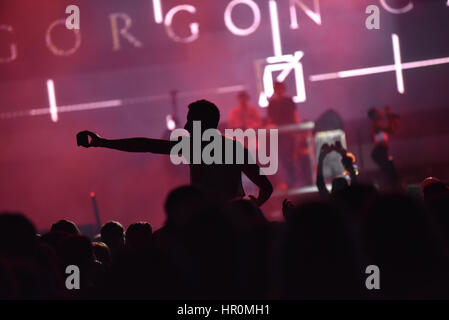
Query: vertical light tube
point(275, 28)
point(52, 100)
point(398, 63)
point(157, 7)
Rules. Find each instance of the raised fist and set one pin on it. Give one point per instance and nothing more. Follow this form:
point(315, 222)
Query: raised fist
point(82, 139)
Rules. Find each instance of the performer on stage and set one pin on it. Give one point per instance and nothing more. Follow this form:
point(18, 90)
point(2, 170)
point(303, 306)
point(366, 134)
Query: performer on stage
point(244, 115)
point(282, 111)
point(382, 126)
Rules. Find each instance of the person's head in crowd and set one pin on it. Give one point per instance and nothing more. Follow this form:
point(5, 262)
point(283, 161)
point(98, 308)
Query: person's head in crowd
point(55, 239)
point(375, 114)
point(77, 250)
point(139, 236)
point(102, 253)
point(182, 204)
point(112, 234)
point(17, 234)
point(243, 98)
point(279, 89)
point(204, 111)
point(66, 226)
point(433, 188)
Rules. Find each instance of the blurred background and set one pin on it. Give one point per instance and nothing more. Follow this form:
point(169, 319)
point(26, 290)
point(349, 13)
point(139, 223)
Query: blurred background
point(119, 84)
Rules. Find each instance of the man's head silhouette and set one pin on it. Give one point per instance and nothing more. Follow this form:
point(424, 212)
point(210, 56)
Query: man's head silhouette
point(374, 114)
point(204, 111)
point(243, 98)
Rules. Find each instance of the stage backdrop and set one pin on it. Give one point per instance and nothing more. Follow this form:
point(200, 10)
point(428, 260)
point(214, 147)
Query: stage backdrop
point(114, 76)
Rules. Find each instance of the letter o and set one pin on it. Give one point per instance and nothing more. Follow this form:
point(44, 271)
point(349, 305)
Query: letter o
point(56, 51)
point(230, 24)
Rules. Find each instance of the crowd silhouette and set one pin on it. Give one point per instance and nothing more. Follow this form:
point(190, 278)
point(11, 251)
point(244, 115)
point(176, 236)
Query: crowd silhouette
point(216, 246)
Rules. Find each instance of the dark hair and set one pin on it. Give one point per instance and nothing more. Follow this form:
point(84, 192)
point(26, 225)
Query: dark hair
point(111, 231)
point(65, 226)
point(77, 250)
point(139, 234)
point(206, 112)
point(372, 113)
point(243, 94)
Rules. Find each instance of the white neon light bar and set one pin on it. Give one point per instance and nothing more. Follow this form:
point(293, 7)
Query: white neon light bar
point(398, 64)
point(91, 106)
point(108, 103)
point(52, 100)
point(275, 28)
point(378, 69)
point(157, 7)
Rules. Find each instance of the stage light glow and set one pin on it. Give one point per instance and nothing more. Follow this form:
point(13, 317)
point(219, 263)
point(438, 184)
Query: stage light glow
point(275, 28)
point(314, 15)
point(398, 64)
point(171, 124)
point(157, 8)
point(52, 100)
point(194, 27)
point(230, 23)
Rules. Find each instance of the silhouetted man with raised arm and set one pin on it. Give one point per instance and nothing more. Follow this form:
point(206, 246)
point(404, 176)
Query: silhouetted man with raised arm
point(221, 182)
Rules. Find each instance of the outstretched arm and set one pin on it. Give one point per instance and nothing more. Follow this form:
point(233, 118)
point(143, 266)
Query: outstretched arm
point(129, 145)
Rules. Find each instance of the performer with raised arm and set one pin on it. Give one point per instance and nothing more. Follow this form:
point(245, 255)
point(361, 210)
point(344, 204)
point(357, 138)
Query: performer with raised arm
point(221, 182)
